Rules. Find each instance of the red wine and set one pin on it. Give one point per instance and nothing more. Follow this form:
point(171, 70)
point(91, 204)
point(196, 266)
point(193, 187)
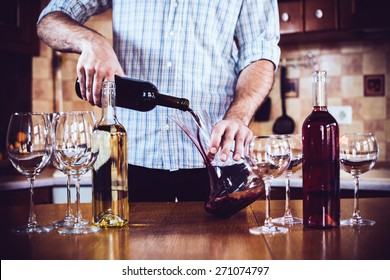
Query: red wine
point(230, 190)
point(324, 209)
point(228, 195)
point(294, 164)
point(228, 205)
point(141, 95)
point(320, 164)
point(28, 163)
point(357, 167)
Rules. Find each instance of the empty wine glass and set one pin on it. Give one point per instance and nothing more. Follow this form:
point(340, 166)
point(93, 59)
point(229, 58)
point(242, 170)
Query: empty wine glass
point(29, 145)
point(75, 147)
point(271, 155)
point(358, 154)
point(295, 141)
point(69, 217)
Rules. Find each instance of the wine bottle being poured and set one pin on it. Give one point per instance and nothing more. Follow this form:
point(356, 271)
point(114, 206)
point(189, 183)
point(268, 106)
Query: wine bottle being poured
point(141, 95)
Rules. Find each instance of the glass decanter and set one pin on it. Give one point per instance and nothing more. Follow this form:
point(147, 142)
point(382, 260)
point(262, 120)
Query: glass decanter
point(233, 184)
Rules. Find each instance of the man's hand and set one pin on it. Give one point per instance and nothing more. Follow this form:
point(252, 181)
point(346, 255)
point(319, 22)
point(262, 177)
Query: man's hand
point(253, 85)
point(224, 133)
point(97, 63)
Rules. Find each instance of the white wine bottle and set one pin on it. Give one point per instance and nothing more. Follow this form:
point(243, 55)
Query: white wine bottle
point(109, 176)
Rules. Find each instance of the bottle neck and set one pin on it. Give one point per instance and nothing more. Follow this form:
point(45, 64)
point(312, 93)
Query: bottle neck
point(108, 103)
point(172, 102)
point(319, 90)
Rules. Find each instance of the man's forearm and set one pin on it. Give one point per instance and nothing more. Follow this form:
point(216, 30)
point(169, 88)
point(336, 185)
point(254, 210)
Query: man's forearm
point(97, 62)
point(62, 33)
point(253, 85)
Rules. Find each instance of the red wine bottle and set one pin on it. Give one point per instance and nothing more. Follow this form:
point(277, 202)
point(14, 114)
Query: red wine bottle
point(141, 95)
point(320, 165)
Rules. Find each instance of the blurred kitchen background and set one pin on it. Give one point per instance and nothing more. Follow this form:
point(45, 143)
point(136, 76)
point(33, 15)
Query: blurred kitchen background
point(348, 38)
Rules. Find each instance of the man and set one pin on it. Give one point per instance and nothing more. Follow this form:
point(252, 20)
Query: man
point(220, 55)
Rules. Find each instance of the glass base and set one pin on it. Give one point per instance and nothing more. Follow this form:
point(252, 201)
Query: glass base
point(354, 222)
point(33, 229)
point(268, 230)
point(68, 221)
point(288, 220)
point(79, 228)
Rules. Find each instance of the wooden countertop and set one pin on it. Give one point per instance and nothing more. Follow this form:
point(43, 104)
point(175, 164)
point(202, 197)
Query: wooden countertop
point(184, 231)
point(377, 179)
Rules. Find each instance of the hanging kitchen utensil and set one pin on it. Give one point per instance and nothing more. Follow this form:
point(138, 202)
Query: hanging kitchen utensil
point(284, 124)
point(262, 114)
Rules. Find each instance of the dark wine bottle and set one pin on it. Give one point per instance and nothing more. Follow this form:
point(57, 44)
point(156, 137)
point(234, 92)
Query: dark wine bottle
point(320, 165)
point(141, 95)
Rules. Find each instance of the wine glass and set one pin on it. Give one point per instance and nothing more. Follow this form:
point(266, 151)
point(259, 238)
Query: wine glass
point(75, 147)
point(358, 154)
point(295, 141)
point(29, 145)
point(271, 155)
point(69, 217)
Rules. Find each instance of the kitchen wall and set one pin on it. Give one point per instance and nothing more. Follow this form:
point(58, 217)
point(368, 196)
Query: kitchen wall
point(345, 62)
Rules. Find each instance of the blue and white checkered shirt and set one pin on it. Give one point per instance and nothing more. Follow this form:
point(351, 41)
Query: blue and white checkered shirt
point(186, 48)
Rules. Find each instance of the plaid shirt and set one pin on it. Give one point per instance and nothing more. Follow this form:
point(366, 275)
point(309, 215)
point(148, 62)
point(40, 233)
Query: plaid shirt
point(186, 48)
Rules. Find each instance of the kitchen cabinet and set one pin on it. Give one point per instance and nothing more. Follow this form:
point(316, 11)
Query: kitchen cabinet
point(318, 20)
point(17, 27)
point(320, 15)
point(364, 15)
point(291, 17)
point(306, 16)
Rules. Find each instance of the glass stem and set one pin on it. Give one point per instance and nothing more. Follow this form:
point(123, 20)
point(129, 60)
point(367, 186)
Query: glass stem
point(68, 197)
point(268, 219)
point(287, 209)
point(32, 218)
point(78, 208)
point(356, 211)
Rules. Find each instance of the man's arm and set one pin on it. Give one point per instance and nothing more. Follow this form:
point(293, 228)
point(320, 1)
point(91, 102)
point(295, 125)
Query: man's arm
point(97, 61)
point(253, 85)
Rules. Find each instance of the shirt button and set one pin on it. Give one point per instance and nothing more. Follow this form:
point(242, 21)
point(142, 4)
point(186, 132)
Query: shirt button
point(175, 4)
point(172, 33)
point(169, 64)
point(166, 127)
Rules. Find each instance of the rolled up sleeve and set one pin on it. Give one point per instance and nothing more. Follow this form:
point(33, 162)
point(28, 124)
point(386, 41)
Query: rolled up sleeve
point(79, 10)
point(258, 33)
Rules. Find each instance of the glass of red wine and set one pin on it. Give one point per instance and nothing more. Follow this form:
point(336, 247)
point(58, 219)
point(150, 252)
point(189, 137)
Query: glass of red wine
point(358, 154)
point(271, 154)
point(295, 141)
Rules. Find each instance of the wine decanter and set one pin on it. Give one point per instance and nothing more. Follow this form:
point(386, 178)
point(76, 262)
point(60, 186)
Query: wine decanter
point(233, 184)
